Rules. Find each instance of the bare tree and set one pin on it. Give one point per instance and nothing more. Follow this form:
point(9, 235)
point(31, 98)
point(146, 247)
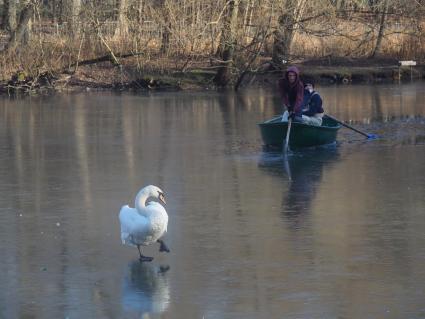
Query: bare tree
point(23, 24)
point(71, 10)
point(166, 30)
point(382, 23)
point(9, 15)
point(228, 42)
point(284, 34)
point(122, 25)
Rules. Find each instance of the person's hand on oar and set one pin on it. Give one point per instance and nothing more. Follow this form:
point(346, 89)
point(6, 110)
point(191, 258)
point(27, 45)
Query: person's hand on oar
point(294, 117)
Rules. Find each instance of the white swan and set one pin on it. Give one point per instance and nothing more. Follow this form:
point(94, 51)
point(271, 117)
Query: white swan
point(144, 224)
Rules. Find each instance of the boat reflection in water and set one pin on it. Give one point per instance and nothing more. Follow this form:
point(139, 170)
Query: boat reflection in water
point(302, 173)
point(145, 289)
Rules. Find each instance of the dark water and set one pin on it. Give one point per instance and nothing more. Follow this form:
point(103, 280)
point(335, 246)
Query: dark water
point(331, 233)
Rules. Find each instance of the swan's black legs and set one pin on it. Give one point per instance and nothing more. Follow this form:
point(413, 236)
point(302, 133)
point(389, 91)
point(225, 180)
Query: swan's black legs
point(143, 258)
point(163, 246)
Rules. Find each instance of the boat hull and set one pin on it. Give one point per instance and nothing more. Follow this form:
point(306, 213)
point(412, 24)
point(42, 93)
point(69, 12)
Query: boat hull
point(273, 133)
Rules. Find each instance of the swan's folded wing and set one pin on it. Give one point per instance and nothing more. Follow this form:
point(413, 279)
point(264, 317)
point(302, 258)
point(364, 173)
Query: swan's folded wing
point(133, 226)
point(155, 208)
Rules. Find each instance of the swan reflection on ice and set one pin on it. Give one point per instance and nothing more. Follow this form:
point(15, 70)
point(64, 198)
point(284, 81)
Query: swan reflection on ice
point(146, 289)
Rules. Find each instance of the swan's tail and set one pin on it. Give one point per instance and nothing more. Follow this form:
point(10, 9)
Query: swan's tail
point(124, 217)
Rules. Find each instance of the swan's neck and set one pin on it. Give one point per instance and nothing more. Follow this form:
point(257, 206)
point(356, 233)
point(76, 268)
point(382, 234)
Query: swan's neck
point(140, 201)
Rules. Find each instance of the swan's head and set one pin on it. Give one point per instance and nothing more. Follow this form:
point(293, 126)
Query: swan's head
point(150, 191)
point(158, 193)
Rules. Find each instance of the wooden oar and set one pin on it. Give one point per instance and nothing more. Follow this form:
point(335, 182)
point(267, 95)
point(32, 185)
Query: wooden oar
point(369, 136)
point(287, 166)
point(288, 132)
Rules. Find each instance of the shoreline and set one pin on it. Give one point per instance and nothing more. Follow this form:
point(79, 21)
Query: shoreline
point(107, 77)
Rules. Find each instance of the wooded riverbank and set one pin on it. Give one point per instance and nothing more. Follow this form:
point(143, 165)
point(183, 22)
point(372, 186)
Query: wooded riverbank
point(194, 44)
point(126, 77)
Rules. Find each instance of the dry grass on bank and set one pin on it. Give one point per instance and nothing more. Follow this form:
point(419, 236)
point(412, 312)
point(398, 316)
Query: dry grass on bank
point(54, 52)
point(356, 40)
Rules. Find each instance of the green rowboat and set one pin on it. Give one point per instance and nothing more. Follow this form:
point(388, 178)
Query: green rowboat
point(273, 133)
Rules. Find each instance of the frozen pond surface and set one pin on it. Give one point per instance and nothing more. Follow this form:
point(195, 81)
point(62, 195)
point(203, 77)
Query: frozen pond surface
point(342, 238)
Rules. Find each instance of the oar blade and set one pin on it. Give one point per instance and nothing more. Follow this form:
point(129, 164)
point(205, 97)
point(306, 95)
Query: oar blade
point(372, 136)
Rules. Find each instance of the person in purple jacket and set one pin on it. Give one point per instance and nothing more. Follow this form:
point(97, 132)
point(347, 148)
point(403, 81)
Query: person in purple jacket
point(291, 90)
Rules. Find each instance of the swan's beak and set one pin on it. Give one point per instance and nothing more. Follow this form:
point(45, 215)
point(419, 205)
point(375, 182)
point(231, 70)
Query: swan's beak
point(162, 198)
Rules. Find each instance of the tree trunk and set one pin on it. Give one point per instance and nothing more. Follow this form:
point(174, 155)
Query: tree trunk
point(71, 11)
point(140, 11)
point(9, 15)
point(166, 29)
point(165, 42)
point(285, 32)
point(53, 9)
point(122, 25)
point(18, 34)
point(382, 24)
point(227, 43)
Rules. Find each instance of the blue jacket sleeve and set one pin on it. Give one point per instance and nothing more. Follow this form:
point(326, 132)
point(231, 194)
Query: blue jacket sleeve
point(315, 106)
point(317, 102)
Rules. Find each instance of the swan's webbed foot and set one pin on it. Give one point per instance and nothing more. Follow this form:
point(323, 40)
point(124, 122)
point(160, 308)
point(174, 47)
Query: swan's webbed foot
point(163, 246)
point(163, 269)
point(143, 258)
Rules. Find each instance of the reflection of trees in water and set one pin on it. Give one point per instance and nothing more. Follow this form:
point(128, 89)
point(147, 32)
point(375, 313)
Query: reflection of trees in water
point(362, 104)
point(303, 173)
point(146, 289)
point(377, 114)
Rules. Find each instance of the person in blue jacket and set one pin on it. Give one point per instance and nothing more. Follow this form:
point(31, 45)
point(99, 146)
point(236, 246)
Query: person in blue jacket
point(312, 109)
